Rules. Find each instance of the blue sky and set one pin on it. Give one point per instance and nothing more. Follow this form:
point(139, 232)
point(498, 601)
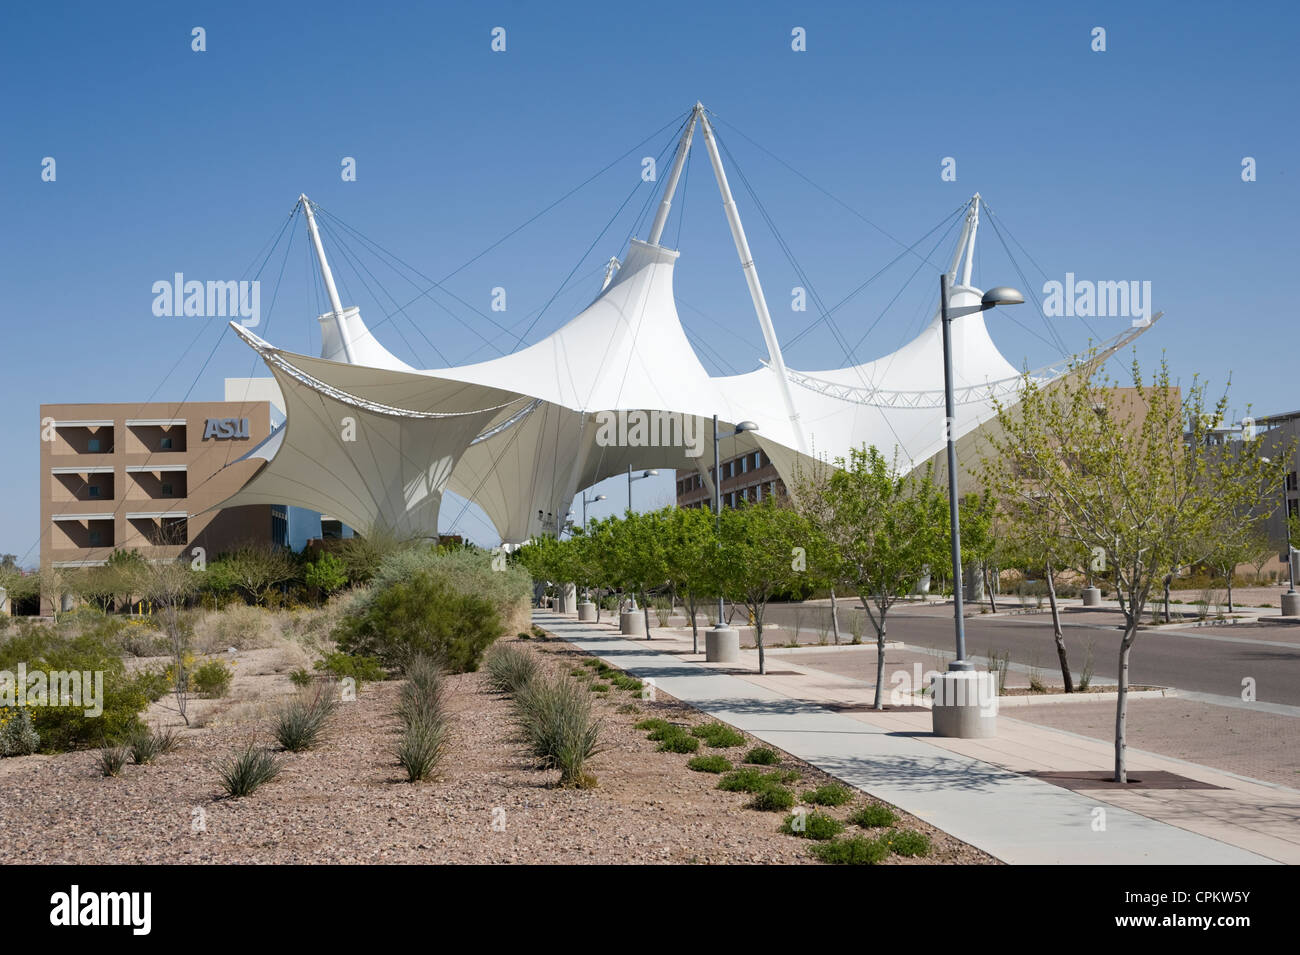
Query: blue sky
point(1122, 165)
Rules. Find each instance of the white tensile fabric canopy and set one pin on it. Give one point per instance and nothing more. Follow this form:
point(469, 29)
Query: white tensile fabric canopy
point(374, 442)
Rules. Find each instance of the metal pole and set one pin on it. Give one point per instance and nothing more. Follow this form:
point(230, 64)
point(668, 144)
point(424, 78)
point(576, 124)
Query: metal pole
point(1286, 529)
point(959, 622)
point(717, 502)
point(335, 303)
point(629, 489)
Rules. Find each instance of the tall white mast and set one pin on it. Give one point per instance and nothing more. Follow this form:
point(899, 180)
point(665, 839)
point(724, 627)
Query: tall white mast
point(683, 147)
point(964, 254)
point(751, 277)
point(335, 303)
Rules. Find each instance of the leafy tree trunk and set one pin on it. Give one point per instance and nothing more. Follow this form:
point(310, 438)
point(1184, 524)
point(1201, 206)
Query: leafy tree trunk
point(1168, 579)
point(1229, 578)
point(645, 612)
point(879, 702)
point(1056, 631)
point(1121, 704)
point(757, 611)
point(988, 588)
point(695, 630)
point(835, 618)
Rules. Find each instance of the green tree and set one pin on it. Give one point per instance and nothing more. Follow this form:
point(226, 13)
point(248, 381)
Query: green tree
point(759, 555)
point(885, 528)
point(1118, 474)
point(690, 552)
point(325, 575)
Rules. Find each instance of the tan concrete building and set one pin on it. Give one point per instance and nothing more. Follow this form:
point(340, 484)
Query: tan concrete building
point(145, 476)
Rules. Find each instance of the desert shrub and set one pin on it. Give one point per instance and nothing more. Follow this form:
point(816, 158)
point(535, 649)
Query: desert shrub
point(247, 769)
point(906, 842)
point(144, 745)
point(421, 748)
point(301, 678)
point(831, 794)
point(154, 683)
point(361, 669)
point(718, 735)
point(625, 682)
point(423, 695)
point(709, 764)
point(510, 667)
point(676, 740)
point(422, 614)
point(744, 780)
point(813, 825)
point(300, 722)
point(63, 728)
point(239, 625)
point(762, 756)
point(855, 850)
point(555, 717)
point(166, 740)
point(18, 737)
point(653, 725)
point(874, 817)
point(772, 798)
point(212, 678)
point(598, 687)
point(112, 759)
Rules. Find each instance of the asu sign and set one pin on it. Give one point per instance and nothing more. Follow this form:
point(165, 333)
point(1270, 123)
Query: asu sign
point(225, 429)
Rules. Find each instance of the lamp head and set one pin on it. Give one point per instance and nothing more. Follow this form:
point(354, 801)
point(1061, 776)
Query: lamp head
point(746, 426)
point(1001, 295)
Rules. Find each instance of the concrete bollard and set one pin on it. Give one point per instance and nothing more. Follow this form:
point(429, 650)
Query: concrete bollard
point(1092, 596)
point(965, 704)
point(722, 645)
point(1291, 604)
point(586, 612)
point(631, 623)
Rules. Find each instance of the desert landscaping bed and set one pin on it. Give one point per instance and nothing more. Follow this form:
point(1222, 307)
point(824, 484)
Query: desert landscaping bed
point(347, 800)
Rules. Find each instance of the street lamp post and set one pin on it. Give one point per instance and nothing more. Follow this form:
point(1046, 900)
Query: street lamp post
point(722, 643)
point(640, 477)
point(961, 719)
point(1290, 599)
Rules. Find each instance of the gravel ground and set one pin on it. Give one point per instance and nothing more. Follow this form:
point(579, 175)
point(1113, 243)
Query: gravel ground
point(346, 802)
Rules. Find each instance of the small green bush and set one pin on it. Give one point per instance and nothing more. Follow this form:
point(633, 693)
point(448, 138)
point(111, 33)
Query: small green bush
point(112, 759)
point(813, 825)
point(247, 769)
point(144, 745)
point(361, 669)
point(426, 612)
point(677, 740)
point(654, 725)
point(556, 719)
point(301, 678)
point(745, 780)
point(18, 737)
point(906, 842)
point(718, 735)
point(300, 722)
point(831, 794)
point(212, 678)
point(709, 764)
point(421, 749)
point(855, 850)
point(772, 798)
point(598, 687)
point(874, 817)
point(510, 667)
point(762, 756)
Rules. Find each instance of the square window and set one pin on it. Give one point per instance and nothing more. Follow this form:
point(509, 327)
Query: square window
point(93, 490)
point(96, 538)
point(167, 489)
point(92, 445)
point(165, 443)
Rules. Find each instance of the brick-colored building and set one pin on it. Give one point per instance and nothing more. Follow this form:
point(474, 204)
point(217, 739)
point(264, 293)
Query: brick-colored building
point(749, 477)
point(145, 477)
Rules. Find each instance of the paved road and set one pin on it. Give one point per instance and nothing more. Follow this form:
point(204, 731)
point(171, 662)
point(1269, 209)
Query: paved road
point(1208, 660)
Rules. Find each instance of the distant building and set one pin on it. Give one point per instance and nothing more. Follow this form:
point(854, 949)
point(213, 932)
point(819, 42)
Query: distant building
point(747, 477)
point(146, 477)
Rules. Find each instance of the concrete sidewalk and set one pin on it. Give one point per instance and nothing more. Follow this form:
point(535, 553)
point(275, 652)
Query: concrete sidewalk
point(974, 789)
